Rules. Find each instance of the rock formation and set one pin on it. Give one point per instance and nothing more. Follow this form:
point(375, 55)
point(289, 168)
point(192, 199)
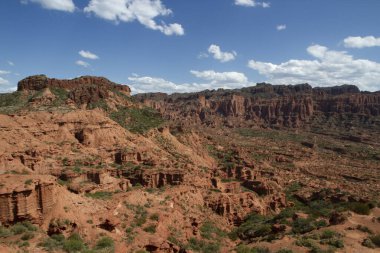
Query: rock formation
point(265, 104)
point(28, 200)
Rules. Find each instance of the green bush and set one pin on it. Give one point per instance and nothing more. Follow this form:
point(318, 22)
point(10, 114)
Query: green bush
point(154, 217)
point(27, 236)
point(210, 231)
point(301, 226)
point(150, 229)
point(368, 243)
point(5, 232)
point(364, 229)
point(375, 239)
point(105, 243)
point(50, 244)
point(18, 229)
point(359, 208)
point(74, 244)
point(203, 246)
point(328, 234)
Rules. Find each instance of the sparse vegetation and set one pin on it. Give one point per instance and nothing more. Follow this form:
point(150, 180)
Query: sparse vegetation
point(203, 246)
point(28, 182)
point(137, 120)
point(100, 195)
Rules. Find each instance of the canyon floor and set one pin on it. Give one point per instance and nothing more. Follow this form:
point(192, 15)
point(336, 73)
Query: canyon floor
point(86, 167)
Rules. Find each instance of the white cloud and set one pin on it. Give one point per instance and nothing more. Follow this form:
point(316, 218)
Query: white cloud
point(10, 63)
point(360, 42)
point(88, 55)
point(220, 77)
point(3, 81)
point(144, 11)
point(59, 5)
point(213, 80)
point(221, 56)
point(252, 3)
point(281, 27)
point(328, 68)
point(202, 55)
point(82, 63)
point(4, 72)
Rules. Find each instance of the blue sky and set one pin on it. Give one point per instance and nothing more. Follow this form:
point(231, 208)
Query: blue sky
point(190, 45)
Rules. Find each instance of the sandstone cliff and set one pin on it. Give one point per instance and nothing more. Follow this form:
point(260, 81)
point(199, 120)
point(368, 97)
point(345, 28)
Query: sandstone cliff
point(265, 105)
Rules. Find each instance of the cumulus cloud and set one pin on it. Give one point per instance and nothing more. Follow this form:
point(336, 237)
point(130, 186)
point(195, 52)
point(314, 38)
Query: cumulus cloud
point(361, 42)
point(88, 55)
point(281, 27)
point(212, 80)
point(220, 77)
point(59, 5)
point(4, 72)
point(215, 51)
point(252, 3)
point(82, 63)
point(328, 68)
point(3, 81)
point(143, 11)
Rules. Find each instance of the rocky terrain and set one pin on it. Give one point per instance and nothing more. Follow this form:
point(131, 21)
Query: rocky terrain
point(86, 167)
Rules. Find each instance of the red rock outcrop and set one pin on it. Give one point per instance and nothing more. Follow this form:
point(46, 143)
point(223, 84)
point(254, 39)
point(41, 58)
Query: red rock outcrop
point(264, 104)
point(40, 82)
point(157, 179)
point(29, 200)
point(234, 207)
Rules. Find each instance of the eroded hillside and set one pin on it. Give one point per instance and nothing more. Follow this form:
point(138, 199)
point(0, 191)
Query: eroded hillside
point(85, 167)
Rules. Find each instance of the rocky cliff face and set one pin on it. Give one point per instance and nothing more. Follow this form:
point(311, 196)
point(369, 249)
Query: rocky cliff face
point(265, 104)
point(28, 200)
point(40, 82)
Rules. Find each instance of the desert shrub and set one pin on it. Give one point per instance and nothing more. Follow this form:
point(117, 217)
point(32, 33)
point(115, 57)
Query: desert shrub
point(28, 182)
point(5, 232)
point(100, 195)
point(50, 244)
point(150, 229)
point(27, 236)
point(154, 217)
point(328, 234)
point(203, 246)
point(18, 229)
point(285, 251)
point(375, 239)
point(210, 231)
point(29, 226)
point(140, 216)
point(23, 244)
point(337, 243)
point(364, 229)
point(305, 242)
point(368, 243)
point(105, 243)
point(359, 208)
point(74, 244)
point(301, 226)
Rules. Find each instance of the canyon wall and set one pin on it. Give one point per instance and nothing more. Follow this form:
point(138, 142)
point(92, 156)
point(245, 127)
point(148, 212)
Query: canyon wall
point(265, 104)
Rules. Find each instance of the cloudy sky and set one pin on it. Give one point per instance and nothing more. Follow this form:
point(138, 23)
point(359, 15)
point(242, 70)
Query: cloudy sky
point(191, 45)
